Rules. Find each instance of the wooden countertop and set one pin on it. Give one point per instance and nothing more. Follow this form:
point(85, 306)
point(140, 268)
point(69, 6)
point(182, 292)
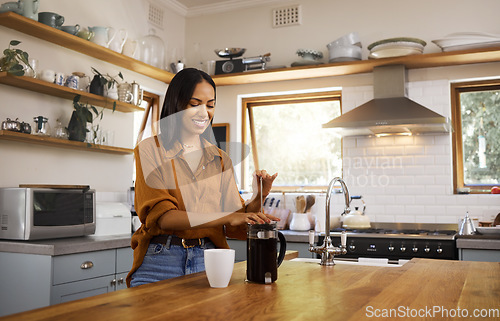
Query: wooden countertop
point(303, 291)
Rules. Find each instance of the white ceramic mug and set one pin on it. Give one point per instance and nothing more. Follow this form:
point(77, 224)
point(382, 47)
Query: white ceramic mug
point(48, 75)
point(59, 80)
point(219, 264)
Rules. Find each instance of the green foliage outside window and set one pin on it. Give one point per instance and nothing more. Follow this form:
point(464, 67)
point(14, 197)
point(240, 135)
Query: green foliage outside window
point(480, 113)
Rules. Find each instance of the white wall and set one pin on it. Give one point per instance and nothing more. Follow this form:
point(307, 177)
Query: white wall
point(27, 163)
point(326, 20)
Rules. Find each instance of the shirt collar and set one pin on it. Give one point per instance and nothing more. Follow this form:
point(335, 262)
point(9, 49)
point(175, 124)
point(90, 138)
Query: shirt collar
point(209, 149)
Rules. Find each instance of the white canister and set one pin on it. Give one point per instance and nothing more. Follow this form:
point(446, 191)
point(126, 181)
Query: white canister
point(72, 81)
point(300, 222)
point(59, 79)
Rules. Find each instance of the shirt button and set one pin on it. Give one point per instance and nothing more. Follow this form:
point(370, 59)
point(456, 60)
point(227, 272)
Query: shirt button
point(193, 178)
point(203, 167)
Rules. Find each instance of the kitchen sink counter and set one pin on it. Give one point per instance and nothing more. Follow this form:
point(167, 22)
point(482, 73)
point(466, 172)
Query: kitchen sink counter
point(422, 288)
point(64, 246)
point(483, 242)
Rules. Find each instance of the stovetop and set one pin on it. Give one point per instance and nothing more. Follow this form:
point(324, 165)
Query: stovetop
point(403, 231)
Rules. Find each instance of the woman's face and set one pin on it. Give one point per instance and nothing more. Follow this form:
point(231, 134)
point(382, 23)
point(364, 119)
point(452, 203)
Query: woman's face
point(200, 110)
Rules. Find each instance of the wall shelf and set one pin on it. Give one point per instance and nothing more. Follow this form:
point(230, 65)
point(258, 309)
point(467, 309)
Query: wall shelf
point(44, 32)
point(61, 143)
point(39, 30)
point(471, 56)
point(51, 89)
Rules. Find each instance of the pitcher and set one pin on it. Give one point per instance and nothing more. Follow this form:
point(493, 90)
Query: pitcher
point(262, 244)
point(102, 35)
point(116, 44)
point(30, 8)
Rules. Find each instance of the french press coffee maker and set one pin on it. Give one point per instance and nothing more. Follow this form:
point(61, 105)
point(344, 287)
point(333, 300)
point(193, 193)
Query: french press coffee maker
point(262, 252)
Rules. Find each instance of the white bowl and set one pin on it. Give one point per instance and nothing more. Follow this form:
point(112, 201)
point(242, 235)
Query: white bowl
point(344, 53)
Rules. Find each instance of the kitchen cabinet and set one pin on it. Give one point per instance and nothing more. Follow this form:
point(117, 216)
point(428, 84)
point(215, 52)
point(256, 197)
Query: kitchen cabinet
point(41, 31)
point(36, 281)
point(485, 248)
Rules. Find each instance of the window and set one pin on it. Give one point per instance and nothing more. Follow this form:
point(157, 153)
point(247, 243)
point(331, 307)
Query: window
point(285, 135)
point(476, 140)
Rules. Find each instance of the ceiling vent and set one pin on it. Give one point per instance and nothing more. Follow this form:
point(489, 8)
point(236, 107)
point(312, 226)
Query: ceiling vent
point(155, 15)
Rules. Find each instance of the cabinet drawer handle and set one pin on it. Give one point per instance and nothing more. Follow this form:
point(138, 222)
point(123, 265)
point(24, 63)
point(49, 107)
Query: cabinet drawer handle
point(86, 265)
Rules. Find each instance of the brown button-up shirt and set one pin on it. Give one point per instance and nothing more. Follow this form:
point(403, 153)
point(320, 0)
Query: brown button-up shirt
point(164, 182)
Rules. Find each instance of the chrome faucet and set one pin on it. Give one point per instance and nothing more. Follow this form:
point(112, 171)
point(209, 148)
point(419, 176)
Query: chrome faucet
point(327, 250)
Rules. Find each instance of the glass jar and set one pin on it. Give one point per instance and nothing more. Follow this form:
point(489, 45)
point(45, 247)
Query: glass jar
point(152, 50)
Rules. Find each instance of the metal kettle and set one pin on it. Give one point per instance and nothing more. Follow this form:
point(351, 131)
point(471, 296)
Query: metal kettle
point(466, 226)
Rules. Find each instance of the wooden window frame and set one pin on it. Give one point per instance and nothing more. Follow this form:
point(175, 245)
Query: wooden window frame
point(457, 142)
point(251, 102)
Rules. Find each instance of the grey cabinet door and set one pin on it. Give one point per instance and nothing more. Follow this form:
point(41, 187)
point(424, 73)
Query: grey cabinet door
point(81, 289)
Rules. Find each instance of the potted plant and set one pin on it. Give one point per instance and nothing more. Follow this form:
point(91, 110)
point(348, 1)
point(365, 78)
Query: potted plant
point(13, 60)
point(77, 127)
point(101, 81)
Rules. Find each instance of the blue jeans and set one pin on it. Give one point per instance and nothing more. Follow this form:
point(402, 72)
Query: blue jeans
point(169, 261)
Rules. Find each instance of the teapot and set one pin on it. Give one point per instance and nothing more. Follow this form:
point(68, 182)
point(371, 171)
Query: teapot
point(12, 125)
point(102, 36)
point(262, 263)
point(117, 42)
point(357, 219)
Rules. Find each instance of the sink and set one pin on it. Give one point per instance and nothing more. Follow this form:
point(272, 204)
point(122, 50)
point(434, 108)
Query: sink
point(359, 261)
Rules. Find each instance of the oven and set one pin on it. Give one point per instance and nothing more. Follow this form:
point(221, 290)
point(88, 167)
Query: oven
point(399, 241)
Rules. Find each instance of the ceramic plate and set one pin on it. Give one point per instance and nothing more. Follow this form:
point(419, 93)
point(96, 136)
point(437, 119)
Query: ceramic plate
point(395, 51)
point(488, 230)
point(473, 46)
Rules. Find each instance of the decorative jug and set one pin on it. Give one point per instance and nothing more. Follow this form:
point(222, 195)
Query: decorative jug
point(116, 43)
point(262, 258)
point(102, 35)
point(29, 8)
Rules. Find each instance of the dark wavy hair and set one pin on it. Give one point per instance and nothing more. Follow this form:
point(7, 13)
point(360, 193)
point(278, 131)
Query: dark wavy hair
point(179, 93)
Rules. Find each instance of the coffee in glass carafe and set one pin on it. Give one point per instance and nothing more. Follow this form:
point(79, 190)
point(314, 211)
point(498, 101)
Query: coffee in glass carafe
point(262, 252)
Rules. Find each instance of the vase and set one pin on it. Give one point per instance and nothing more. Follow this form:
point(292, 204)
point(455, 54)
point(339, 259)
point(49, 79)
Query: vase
point(77, 128)
point(96, 87)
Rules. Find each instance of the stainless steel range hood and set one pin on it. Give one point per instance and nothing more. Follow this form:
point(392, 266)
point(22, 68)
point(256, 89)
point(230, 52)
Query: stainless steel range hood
point(390, 112)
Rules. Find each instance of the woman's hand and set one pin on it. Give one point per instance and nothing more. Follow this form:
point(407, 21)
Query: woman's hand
point(238, 218)
point(267, 182)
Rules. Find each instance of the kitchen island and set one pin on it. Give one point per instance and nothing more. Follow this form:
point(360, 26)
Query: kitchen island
point(420, 289)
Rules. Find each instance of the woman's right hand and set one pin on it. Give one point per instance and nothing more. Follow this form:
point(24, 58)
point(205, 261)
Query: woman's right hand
point(238, 218)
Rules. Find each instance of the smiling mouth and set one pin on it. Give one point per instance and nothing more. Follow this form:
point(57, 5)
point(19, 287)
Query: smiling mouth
point(200, 123)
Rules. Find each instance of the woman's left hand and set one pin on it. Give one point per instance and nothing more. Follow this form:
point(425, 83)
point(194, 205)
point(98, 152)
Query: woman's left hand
point(267, 182)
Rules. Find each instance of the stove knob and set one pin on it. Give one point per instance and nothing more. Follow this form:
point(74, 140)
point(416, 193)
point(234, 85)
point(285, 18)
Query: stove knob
point(427, 250)
point(352, 247)
point(391, 248)
point(439, 250)
point(403, 249)
point(415, 249)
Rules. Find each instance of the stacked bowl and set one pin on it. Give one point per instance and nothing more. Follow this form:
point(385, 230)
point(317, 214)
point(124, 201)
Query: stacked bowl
point(346, 48)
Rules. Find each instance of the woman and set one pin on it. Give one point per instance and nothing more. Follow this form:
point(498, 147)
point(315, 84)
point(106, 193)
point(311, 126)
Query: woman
point(186, 195)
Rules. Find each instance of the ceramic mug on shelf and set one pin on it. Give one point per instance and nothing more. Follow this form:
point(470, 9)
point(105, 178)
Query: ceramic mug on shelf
point(59, 79)
point(48, 75)
point(51, 19)
point(73, 30)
